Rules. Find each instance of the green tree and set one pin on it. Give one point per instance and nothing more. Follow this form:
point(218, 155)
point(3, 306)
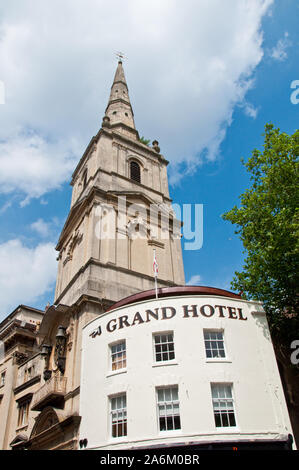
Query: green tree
point(268, 225)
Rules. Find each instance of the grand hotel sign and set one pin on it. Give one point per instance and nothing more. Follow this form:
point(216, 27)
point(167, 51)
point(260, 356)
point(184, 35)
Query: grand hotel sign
point(167, 313)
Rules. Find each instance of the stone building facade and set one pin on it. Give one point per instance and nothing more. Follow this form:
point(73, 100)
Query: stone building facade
point(120, 214)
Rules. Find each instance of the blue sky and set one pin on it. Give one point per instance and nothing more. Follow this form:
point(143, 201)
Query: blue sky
point(218, 185)
point(203, 81)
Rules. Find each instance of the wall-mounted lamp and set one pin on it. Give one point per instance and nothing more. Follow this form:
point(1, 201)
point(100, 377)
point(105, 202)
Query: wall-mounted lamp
point(61, 336)
point(45, 353)
point(60, 348)
point(46, 350)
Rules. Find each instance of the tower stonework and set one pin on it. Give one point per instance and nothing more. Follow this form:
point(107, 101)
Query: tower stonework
point(105, 254)
point(120, 212)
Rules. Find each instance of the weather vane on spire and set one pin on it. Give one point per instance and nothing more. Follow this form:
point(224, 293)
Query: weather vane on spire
point(120, 56)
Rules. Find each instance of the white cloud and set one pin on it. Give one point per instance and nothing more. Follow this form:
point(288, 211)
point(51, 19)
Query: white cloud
point(25, 273)
point(41, 227)
point(43, 202)
point(194, 280)
point(5, 206)
point(189, 64)
point(279, 52)
point(250, 110)
point(33, 166)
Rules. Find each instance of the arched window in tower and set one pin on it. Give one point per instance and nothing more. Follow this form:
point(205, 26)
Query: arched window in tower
point(135, 172)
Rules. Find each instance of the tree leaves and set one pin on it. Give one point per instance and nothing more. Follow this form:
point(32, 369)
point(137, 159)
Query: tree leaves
point(268, 225)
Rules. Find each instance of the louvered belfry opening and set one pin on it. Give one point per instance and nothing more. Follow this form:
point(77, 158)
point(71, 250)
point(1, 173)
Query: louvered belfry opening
point(135, 172)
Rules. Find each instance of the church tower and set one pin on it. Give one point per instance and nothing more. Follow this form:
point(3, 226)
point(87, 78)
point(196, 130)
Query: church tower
point(120, 213)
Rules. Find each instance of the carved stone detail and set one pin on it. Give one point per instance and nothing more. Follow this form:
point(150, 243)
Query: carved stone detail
point(75, 240)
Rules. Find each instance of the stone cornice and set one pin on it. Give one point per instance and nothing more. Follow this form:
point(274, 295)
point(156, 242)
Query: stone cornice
point(82, 206)
point(27, 384)
point(93, 140)
point(72, 393)
point(139, 145)
point(114, 173)
point(116, 135)
point(93, 261)
point(16, 311)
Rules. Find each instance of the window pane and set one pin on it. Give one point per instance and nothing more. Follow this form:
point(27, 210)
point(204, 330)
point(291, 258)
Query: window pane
point(214, 344)
point(174, 393)
point(168, 409)
point(232, 421)
point(118, 416)
point(164, 344)
point(176, 409)
point(217, 420)
point(177, 422)
point(169, 423)
point(224, 420)
point(223, 405)
point(162, 423)
point(135, 171)
point(118, 356)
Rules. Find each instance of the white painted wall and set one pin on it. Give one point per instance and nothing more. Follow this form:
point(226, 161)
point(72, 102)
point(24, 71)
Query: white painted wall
point(250, 366)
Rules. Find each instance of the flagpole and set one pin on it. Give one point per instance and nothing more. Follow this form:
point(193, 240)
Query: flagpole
point(155, 266)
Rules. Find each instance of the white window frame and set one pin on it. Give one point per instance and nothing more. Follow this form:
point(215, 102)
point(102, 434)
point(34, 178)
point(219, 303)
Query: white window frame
point(224, 402)
point(168, 352)
point(123, 359)
point(120, 412)
point(215, 358)
point(169, 409)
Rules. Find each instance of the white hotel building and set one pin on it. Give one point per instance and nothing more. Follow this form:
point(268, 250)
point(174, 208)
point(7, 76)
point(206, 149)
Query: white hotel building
point(194, 367)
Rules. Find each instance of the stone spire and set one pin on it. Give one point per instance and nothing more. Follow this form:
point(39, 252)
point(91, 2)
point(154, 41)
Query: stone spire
point(119, 109)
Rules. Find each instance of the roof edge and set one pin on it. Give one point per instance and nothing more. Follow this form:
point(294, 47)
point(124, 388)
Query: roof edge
point(173, 291)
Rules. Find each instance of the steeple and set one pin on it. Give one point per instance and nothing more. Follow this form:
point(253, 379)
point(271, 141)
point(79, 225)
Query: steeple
point(119, 109)
point(116, 175)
